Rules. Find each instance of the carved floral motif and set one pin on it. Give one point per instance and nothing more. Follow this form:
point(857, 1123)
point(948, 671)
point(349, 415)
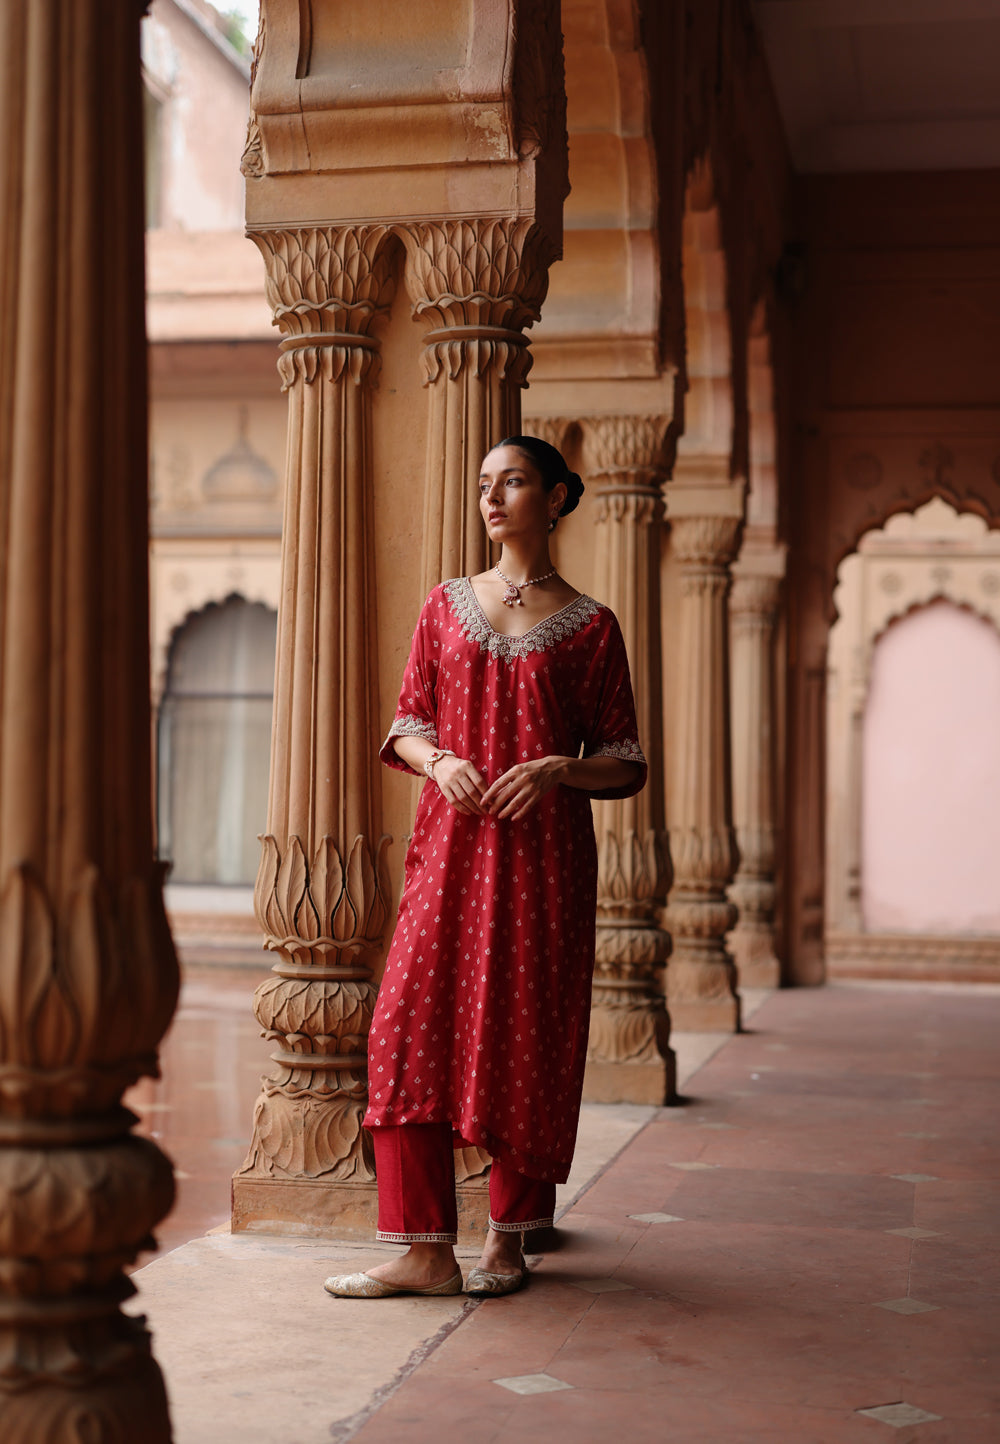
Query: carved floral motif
point(252, 161)
point(477, 284)
point(326, 285)
point(327, 906)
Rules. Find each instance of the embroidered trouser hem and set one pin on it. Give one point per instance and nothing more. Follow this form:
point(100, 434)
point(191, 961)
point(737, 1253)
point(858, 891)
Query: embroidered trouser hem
point(521, 1227)
point(384, 1237)
point(415, 1166)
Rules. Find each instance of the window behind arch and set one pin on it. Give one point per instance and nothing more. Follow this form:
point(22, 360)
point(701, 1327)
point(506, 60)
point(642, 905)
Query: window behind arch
point(214, 743)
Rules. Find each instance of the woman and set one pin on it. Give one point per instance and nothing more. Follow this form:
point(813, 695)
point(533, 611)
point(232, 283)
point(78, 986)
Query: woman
point(480, 1029)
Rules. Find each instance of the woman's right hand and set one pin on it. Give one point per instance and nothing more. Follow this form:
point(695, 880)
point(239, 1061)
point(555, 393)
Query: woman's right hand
point(461, 784)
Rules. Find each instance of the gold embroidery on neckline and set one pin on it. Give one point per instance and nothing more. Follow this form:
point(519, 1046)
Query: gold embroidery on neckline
point(539, 638)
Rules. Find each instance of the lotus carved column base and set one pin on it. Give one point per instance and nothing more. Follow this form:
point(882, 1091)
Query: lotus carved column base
point(72, 1366)
point(701, 980)
point(751, 942)
point(629, 1058)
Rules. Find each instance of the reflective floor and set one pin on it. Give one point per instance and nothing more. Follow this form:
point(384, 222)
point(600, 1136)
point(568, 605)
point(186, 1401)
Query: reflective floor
point(199, 1111)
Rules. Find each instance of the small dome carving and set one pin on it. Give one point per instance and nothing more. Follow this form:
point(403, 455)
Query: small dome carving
point(241, 474)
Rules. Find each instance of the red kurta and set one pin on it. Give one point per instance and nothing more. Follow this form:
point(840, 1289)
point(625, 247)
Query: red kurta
point(483, 1013)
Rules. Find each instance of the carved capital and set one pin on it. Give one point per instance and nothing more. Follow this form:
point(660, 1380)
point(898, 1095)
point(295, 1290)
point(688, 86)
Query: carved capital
point(754, 598)
point(477, 284)
point(553, 429)
point(326, 286)
point(619, 447)
point(705, 543)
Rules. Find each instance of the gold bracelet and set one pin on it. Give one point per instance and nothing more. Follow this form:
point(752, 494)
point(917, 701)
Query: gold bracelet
point(436, 756)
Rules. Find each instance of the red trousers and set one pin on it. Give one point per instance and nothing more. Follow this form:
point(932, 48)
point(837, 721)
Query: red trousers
point(415, 1163)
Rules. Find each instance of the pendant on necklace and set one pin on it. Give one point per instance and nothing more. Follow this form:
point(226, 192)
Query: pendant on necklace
point(512, 596)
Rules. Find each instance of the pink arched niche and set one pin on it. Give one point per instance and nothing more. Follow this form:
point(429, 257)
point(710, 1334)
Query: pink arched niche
point(931, 777)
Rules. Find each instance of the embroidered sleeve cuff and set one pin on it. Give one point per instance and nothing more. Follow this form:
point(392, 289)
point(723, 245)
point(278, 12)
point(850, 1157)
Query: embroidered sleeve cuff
point(406, 727)
point(628, 751)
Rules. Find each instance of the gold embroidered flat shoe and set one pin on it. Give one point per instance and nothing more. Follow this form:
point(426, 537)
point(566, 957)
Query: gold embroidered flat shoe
point(363, 1286)
point(481, 1281)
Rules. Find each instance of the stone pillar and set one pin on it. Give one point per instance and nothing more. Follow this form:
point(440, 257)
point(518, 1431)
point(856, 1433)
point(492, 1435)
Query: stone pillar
point(701, 980)
point(88, 975)
point(851, 919)
point(753, 611)
point(629, 1058)
point(475, 284)
point(806, 847)
point(320, 897)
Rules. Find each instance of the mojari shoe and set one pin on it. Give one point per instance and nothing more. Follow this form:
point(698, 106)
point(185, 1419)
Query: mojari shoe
point(481, 1281)
point(363, 1286)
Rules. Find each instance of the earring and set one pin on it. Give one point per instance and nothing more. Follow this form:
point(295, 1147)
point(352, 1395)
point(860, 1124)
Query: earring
point(552, 523)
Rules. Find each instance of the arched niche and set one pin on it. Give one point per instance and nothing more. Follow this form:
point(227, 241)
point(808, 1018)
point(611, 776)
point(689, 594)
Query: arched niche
point(213, 743)
point(933, 557)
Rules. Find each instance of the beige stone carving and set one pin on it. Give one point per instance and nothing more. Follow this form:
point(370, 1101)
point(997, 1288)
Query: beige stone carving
point(629, 1058)
point(753, 610)
point(701, 992)
point(320, 897)
point(88, 975)
point(252, 162)
point(475, 284)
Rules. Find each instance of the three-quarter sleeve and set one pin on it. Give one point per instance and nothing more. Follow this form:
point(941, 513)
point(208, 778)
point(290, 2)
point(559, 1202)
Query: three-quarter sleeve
point(416, 710)
point(614, 731)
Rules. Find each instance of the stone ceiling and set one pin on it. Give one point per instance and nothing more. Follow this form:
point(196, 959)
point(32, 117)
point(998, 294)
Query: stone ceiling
point(879, 85)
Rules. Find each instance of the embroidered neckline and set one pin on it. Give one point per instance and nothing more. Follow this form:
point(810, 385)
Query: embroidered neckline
point(539, 638)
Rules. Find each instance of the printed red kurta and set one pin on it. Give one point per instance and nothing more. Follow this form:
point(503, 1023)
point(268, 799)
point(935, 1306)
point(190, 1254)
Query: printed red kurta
point(483, 1013)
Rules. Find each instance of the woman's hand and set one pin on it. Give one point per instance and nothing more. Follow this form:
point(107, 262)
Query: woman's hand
point(518, 790)
point(461, 784)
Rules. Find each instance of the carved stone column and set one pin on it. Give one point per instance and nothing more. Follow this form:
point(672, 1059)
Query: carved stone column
point(851, 842)
point(476, 284)
point(701, 991)
point(88, 976)
point(629, 1057)
point(320, 898)
point(753, 610)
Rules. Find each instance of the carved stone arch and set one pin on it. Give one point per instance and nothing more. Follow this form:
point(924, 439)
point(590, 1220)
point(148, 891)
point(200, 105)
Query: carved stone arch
point(214, 721)
point(874, 481)
point(185, 586)
point(983, 610)
point(896, 570)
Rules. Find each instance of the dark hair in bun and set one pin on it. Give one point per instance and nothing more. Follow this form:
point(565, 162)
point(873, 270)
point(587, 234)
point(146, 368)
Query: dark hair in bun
point(551, 467)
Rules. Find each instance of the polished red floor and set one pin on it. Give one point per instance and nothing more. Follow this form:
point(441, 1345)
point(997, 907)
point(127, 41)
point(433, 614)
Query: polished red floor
point(808, 1252)
point(200, 1110)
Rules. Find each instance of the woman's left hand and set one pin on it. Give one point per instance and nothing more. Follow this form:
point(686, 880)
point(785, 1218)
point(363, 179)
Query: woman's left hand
point(518, 789)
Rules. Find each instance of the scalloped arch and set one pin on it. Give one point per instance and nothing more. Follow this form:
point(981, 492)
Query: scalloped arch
point(259, 587)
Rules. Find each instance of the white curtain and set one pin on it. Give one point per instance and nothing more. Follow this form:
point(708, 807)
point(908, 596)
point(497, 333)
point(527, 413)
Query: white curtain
point(214, 743)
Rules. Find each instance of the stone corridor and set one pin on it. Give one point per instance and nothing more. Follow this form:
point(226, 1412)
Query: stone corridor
point(806, 1251)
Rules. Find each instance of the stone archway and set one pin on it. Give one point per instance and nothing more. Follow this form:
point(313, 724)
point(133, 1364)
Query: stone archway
point(932, 555)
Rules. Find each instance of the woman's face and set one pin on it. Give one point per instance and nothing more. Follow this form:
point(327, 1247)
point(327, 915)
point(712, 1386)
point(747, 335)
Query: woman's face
point(512, 499)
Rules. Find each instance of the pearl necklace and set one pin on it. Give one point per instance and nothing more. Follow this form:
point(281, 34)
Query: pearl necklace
point(512, 596)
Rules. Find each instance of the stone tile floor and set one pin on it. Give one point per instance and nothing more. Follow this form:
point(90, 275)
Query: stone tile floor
point(807, 1251)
